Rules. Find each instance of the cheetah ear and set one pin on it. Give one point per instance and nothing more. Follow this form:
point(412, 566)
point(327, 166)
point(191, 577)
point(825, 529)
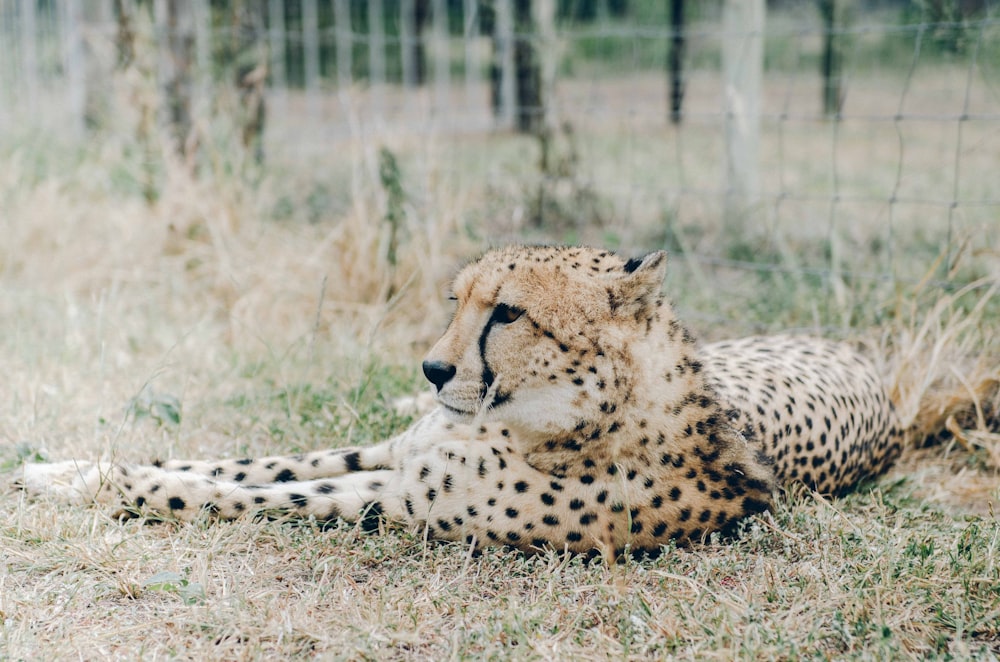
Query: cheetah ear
point(639, 287)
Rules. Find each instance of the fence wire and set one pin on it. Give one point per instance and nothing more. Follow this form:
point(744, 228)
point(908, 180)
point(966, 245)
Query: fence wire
point(906, 163)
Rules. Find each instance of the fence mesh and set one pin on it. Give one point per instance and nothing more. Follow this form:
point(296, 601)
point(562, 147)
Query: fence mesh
point(884, 170)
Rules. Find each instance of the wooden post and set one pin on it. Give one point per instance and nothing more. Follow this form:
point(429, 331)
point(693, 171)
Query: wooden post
point(675, 60)
point(175, 30)
point(277, 42)
point(248, 43)
point(74, 62)
point(546, 49)
point(344, 42)
point(406, 30)
point(202, 18)
point(528, 75)
point(310, 53)
point(832, 12)
point(503, 90)
point(376, 55)
point(413, 16)
point(29, 53)
point(742, 64)
point(470, 14)
point(442, 59)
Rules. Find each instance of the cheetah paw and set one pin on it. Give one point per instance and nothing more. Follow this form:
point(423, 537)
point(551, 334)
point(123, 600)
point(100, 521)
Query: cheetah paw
point(69, 480)
point(416, 405)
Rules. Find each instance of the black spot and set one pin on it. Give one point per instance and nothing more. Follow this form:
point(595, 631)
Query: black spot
point(551, 520)
point(511, 513)
point(285, 476)
point(659, 529)
point(371, 518)
point(675, 493)
point(298, 500)
point(431, 494)
point(751, 505)
point(326, 488)
point(240, 477)
point(259, 500)
point(632, 265)
point(176, 503)
point(425, 471)
point(448, 483)
point(656, 502)
point(353, 461)
point(548, 499)
point(576, 504)
point(602, 496)
point(574, 536)
point(521, 486)
point(586, 479)
point(139, 501)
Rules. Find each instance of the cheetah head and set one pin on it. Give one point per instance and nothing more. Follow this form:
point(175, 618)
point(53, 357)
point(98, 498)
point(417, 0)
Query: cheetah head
point(543, 336)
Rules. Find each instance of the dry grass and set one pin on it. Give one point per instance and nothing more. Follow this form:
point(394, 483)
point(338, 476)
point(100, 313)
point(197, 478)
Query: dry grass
point(266, 332)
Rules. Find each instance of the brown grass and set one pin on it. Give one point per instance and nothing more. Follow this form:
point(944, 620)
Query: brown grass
point(285, 332)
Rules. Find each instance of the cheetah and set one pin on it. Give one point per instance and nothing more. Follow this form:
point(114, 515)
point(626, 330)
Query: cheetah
point(574, 413)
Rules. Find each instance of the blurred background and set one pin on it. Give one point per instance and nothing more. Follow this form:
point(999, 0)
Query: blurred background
point(803, 162)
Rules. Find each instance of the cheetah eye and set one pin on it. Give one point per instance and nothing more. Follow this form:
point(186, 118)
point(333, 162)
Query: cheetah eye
point(504, 314)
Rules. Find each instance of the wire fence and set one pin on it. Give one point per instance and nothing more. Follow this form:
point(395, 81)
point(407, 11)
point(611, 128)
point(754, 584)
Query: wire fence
point(840, 134)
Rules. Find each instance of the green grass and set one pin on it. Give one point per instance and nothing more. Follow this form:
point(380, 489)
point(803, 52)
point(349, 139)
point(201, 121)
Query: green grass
point(255, 312)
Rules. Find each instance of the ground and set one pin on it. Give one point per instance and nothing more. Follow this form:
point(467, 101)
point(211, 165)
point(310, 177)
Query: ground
point(214, 324)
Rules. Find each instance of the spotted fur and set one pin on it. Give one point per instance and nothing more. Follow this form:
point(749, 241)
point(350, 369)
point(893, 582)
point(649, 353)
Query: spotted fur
point(575, 413)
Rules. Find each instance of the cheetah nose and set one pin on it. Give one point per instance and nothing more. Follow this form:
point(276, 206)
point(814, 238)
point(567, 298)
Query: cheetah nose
point(438, 372)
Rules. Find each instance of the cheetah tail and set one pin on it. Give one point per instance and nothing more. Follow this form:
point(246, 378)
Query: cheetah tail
point(944, 371)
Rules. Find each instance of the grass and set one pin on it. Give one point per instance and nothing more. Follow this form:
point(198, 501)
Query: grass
point(251, 312)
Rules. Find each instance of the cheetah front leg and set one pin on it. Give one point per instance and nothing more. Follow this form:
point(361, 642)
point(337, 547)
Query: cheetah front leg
point(136, 490)
point(308, 466)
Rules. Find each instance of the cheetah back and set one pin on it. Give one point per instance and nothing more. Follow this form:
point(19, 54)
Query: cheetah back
point(817, 408)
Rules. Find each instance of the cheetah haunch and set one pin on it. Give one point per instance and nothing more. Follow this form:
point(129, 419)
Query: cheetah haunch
point(576, 413)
